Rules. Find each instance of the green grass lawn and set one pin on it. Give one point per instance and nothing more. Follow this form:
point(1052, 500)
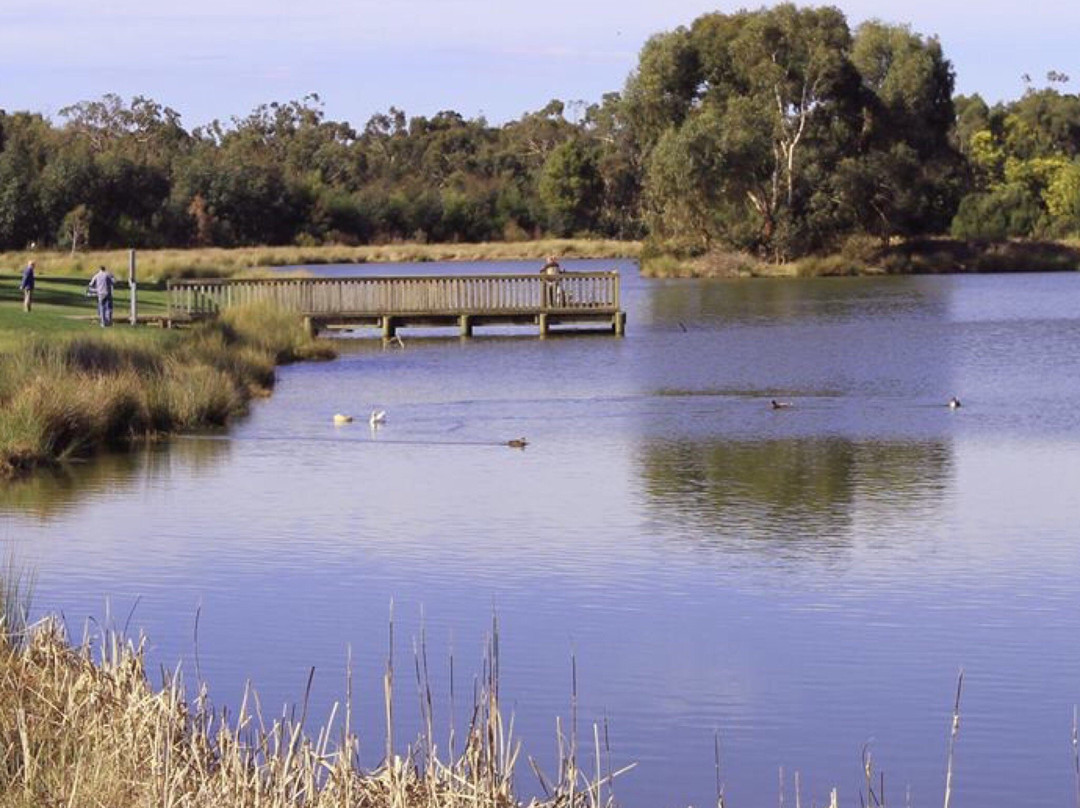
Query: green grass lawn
point(62, 307)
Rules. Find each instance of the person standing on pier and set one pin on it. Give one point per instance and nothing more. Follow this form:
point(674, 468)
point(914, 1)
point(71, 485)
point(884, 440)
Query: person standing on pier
point(554, 294)
point(551, 266)
point(101, 286)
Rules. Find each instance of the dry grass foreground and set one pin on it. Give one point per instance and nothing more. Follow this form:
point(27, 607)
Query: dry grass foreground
point(68, 396)
point(155, 265)
point(77, 731)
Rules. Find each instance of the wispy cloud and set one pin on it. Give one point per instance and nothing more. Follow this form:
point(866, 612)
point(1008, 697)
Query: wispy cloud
point(504, 56)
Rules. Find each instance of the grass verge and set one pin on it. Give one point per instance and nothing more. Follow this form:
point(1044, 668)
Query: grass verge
point(64, 395)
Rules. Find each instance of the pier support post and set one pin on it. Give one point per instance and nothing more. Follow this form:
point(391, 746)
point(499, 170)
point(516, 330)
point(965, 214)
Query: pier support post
point(388, 328)
point(618, 323)
point(543, 319)
point(309, 326)
point(465, 325)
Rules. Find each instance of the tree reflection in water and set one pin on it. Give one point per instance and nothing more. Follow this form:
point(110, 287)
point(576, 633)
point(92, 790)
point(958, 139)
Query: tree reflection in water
point(797, 496)
point(53, 493)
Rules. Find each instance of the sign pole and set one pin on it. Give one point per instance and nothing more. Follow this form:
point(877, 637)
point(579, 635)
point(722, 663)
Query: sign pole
point(133, 284)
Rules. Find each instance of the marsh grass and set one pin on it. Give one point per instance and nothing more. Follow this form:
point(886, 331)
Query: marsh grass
point(65, 397)
point(16, 589)
point(156, 265)
point(83, 726)
point(861, 255)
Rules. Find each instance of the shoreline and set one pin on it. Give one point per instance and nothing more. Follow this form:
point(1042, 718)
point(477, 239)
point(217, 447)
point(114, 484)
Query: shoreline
point(158, 265)
point(858, 257)
point(73, 396)
point(67, 390)
point(864, 258)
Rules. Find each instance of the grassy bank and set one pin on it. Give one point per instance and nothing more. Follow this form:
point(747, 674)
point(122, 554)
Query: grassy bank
point(61, 307)
point(65, 394)
point(867, 257)
point(80, 730)
point(214, 262)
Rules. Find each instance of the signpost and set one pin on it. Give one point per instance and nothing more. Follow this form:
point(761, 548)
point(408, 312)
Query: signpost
point(134, 286)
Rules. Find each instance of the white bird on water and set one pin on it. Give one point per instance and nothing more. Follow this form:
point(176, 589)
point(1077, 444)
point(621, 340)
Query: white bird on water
point(378, 418)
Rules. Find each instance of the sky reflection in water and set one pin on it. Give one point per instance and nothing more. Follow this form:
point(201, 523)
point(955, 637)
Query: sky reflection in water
point(799, 581)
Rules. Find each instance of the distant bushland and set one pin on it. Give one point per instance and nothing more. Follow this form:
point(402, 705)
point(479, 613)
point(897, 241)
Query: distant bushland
point(779, 133)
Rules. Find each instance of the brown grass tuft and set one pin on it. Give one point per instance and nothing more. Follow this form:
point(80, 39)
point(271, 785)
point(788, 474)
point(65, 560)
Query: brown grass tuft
point(80, 730)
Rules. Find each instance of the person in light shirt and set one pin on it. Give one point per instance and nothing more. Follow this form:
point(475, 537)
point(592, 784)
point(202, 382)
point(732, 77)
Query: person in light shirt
point(101, 286)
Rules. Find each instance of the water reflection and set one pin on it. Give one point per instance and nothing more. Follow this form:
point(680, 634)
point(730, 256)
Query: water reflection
point(785, 496)
point(789, 301)
point(55, 493)
point(816, 573)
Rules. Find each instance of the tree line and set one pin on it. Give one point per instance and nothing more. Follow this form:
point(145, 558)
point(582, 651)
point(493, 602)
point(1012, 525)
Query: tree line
point(780, 132)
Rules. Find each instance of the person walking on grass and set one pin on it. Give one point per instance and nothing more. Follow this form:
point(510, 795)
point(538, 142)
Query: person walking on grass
point(101, 286)
point(27, 287)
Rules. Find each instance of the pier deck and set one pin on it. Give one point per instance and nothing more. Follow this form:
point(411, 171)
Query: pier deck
point(389, 303)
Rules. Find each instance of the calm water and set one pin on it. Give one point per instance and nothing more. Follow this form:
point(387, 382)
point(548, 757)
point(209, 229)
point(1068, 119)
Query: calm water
point(802, 582)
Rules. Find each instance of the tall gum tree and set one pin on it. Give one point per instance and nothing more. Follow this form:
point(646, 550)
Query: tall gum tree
point(760, 130)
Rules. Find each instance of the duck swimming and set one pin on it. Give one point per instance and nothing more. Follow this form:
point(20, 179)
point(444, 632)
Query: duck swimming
point(954, 403)
point(517, 443)
point(779, 405)
point(378, 417)
point(342, 419)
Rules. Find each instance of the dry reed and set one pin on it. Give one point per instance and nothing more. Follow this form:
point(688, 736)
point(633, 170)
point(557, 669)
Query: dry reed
point(80, 730)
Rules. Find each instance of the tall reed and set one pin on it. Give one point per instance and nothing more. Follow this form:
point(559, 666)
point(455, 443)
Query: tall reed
point(88, 729)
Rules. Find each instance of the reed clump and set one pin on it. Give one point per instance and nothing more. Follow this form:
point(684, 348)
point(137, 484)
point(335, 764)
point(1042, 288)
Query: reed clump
point(67, 397)
point(80, 726)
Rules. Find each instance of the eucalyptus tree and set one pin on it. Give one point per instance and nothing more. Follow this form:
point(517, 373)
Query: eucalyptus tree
point(738, 98)
point(779, 131)
point(906, 176)
point(26, 146)
point(571, 187)
point(1025, 160)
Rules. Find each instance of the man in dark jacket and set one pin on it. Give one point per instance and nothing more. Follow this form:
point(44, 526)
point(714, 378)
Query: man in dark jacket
point(27, 286)
point(101, 285)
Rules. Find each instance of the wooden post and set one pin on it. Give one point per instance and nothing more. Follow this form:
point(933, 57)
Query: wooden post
point(309, 326)
point(465, 325)
point(387, 327)
point(134, 286)
point(543, 324)
point(619, 324)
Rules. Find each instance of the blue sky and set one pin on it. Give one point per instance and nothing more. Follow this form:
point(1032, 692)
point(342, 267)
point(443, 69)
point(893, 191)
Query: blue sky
point(500, 58)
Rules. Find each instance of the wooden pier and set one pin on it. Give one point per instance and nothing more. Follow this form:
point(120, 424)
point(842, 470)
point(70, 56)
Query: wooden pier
point(389, 303)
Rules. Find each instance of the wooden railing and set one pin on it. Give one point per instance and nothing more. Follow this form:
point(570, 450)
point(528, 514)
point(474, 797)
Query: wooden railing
point(567, 292)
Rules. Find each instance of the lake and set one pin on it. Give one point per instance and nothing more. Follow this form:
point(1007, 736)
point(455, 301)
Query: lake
point(797, 585)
